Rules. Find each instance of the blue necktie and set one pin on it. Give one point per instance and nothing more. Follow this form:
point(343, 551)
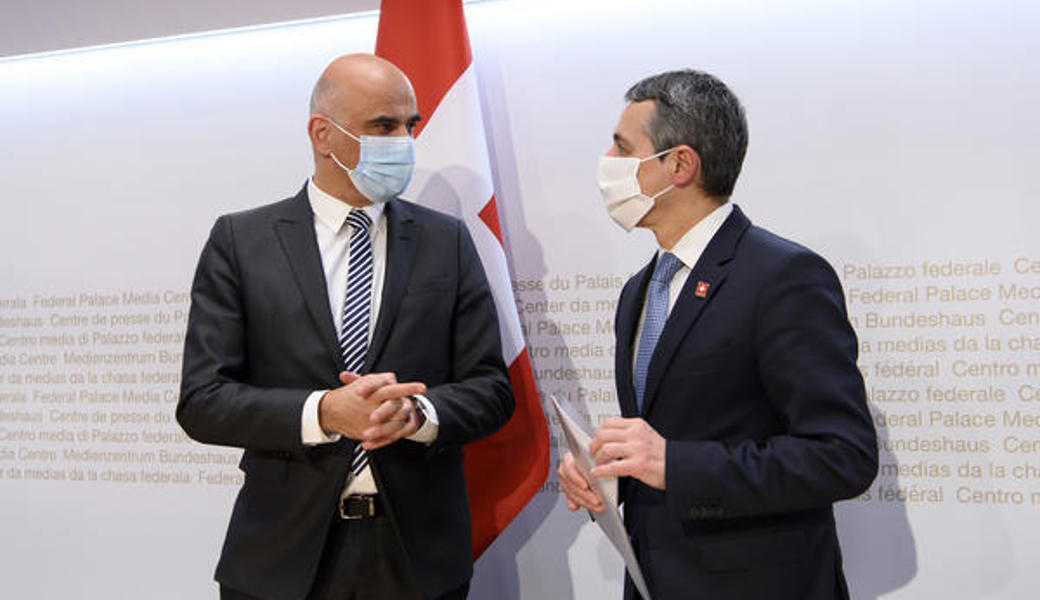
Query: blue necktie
point(357, 306)
point(654, 318)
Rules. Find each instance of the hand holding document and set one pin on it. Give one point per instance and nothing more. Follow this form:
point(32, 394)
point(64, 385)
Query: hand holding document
point(606, 487)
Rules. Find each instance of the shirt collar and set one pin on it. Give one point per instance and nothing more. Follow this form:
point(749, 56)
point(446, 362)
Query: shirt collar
point(332, 212)
point(692, 244)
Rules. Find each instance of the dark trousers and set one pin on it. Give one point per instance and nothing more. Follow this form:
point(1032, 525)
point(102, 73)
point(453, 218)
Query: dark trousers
point(362, 560)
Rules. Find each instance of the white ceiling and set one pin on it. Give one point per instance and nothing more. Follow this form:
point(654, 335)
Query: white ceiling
point(28, 26)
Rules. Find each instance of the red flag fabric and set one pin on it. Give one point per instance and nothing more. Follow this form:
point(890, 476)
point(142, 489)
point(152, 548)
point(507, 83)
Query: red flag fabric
point(428, 40)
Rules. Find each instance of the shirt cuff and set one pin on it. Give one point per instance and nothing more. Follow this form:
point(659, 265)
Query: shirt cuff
point(428, 432)
point(310, 426)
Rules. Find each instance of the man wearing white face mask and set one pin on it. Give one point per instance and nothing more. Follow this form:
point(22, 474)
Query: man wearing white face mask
point(743, 411)
point(347, 340)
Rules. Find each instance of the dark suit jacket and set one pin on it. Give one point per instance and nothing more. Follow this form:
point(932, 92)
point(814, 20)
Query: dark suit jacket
point(261, 338)
point(756, 390)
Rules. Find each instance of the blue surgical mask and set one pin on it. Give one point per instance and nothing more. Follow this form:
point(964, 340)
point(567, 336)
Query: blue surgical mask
point(384, 166)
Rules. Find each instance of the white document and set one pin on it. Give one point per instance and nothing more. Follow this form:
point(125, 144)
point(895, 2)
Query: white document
point(607, 488)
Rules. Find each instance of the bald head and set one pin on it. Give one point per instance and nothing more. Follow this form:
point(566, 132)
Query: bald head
point(357, 75)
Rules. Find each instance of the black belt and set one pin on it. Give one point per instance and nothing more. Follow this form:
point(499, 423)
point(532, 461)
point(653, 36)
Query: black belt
point(360, 506)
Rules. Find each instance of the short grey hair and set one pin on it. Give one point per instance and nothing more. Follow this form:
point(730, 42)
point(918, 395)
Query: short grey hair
point(696, 109)
point(323, 96)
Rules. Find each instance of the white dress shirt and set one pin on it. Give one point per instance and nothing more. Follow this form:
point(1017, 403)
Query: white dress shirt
point(688, 250)
point(333, 236)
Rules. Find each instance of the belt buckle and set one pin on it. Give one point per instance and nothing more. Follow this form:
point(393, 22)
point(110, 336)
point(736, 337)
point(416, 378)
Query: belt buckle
point(367, 503)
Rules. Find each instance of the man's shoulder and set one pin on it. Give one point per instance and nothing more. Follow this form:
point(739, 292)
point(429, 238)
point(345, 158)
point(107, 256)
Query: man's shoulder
point(432, 220)
point(770, 254)
point(764, 241)
point(425, 214)
point(268, 212)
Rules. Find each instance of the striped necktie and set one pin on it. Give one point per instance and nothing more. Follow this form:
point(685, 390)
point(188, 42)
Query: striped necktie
point(357, 308)
point(653, 321)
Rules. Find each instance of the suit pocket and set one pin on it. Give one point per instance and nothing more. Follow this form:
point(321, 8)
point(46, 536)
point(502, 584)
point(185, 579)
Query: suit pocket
point(269, 467)
point(753, 551)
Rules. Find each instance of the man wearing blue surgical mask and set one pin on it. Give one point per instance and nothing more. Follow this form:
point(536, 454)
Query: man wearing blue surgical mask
point(347, 340)
point(743, 411)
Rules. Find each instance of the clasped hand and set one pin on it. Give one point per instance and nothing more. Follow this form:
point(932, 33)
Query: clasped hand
point(373, 408)
point(621, 448)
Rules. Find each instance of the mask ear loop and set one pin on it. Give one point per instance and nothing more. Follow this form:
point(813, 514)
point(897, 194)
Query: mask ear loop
point(670, 187)
point(662, 192)
point(658, 154)
point(340, 127)
point(341, 165)
point(345, 132)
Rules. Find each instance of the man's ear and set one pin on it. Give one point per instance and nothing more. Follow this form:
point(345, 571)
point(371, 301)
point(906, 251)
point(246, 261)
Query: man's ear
point(686, 166)
point(318, 131)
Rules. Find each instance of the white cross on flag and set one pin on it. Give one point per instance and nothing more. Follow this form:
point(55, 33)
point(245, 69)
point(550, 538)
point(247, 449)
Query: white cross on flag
point(428, 40)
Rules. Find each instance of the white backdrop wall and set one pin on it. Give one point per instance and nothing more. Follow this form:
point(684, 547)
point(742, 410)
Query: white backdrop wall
point(29, 27)
point(897, 139)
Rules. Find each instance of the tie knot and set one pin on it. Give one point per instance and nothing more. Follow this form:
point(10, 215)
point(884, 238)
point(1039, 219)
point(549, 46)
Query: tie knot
point(667, 266)
point(359, 220)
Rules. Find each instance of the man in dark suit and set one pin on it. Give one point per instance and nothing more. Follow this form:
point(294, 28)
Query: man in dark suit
point(743, 412)
point(338, 319)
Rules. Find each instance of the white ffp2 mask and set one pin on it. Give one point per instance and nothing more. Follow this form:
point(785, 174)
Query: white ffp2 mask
point(619, 185)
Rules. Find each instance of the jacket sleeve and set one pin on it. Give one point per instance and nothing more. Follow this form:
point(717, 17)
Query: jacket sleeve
point(479, 400)
point(216, 404)
point(805, 352)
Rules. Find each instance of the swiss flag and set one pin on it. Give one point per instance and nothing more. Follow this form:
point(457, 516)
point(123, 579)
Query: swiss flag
point(428, 40)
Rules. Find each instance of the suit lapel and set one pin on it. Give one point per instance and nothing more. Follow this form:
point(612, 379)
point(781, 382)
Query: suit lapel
point(401, 240)
point(295, 231)
point(630, 306)
point(711, 269)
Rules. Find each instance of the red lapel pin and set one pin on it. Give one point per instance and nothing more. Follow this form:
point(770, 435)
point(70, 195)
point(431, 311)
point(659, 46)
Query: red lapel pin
point(702, 289)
